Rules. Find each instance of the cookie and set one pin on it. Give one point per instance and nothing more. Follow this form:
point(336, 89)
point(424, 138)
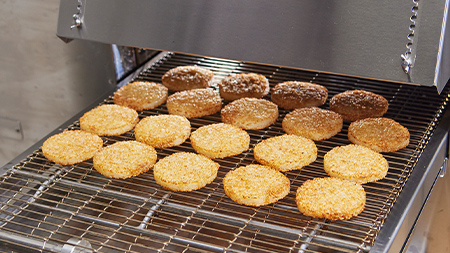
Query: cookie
point(250, 113)
point(163, 131)
point(255, 185)
point(236, 86)
point(185, 171)
point(286, 152)
point(293, 94)
point(187, 77)
point(359, 104)
point(109, 120)
point(220, 140)
point(313, 123)
point(194, 103)
point(330, 198)
point(124, 159)
point(141, 95)
point(379, 134)
point(355, 163)
point(71, 146)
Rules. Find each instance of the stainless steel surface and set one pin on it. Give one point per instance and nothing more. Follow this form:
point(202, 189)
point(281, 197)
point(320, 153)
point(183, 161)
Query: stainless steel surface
point(355, 38)
point(43, 81)
point(44, 205)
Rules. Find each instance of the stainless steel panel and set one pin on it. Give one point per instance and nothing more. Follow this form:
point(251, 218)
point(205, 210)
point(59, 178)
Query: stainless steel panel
point(356, 38)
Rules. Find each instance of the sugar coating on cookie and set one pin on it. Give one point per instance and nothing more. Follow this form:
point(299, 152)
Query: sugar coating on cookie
point(313, 123)
point(255, 185)
point(109, 120)
point(187, 77)
point(294, 94)
point(185, 171)
point(124, 159)
point(355, 163)
point(286, 152)
point(220, 140)
point(359, 104)
point(194, 103)
point(71, 146)
point(250, 113)
point(241, 85)
point(379, 134)
point(162, 131)
point(141, 95)
point(330, 198)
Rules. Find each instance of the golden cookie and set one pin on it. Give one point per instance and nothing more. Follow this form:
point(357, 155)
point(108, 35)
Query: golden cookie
point(141, 95)
point(185, 171)
point(292, 94)
point(355, 163)
point(330, 198)
point(220, 140)
point(162, 131)
point(286, 152)
point(124, 159)
point(71, 146)
point(379, 134)
point(109, 120)
point(250, 113)
point(358, 104)
point(255, 185)
point(187, 77)
point(313, 123)
point(194, 103)
point(242, 85)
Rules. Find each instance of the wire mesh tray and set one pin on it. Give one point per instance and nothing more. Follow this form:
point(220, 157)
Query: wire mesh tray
point(45, 206)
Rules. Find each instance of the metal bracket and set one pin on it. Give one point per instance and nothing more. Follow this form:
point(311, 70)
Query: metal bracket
point(443, 168)
point(77, 17)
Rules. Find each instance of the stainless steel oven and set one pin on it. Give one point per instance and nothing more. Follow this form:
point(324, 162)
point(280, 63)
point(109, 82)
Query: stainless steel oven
point(398, 50)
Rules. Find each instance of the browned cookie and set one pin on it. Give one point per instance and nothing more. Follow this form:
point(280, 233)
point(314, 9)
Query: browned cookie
point(194, 103)
point(141, 95)
point(358, 104)
point(187, 77)
point(379, 134)
point(293, 94)
point(313, 123)
point(242, 85)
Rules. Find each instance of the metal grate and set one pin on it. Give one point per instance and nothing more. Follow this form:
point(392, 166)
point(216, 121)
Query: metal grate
point(49, 207)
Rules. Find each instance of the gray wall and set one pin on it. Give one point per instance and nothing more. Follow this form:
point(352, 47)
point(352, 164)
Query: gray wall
point(43, 81)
